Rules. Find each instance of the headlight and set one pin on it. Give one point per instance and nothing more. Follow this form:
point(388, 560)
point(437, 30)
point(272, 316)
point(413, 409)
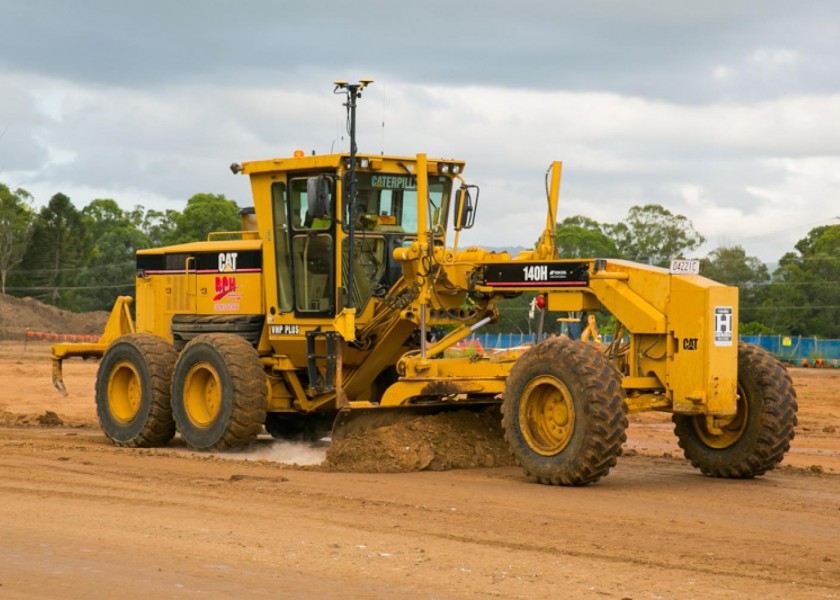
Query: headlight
point(364, 163)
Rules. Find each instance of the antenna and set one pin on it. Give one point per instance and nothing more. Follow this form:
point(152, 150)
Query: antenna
point(352, 91)
point(382, 142)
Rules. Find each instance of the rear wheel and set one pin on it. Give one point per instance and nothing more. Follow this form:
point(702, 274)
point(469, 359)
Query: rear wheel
point(219, 392)
point(564, 413)
point(756, 439)
point(132, 391)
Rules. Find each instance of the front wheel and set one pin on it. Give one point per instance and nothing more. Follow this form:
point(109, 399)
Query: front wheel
point(564, 413)
point(756, 439)
point(219, 392)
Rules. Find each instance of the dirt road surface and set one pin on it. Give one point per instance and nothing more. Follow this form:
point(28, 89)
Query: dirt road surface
point(80, 518)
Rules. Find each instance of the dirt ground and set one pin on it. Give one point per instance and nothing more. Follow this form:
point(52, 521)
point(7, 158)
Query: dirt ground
point(80, 518)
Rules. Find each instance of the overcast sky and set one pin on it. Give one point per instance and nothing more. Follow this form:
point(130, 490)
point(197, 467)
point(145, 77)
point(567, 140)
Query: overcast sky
point(727, 112)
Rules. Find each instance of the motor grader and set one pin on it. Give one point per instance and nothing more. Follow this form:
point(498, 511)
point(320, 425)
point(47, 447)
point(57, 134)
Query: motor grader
point(320, 309)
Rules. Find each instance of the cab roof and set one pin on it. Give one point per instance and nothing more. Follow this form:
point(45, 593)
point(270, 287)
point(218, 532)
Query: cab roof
point(340, 162)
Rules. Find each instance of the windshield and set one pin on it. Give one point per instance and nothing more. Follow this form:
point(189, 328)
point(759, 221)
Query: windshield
point(388, 202)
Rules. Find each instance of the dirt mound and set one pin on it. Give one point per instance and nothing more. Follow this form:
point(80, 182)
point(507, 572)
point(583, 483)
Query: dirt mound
point(453, 440)
point(18, 314)
point(45, 419)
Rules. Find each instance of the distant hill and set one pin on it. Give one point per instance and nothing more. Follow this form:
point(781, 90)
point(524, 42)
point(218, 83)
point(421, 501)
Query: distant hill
point(513, 250)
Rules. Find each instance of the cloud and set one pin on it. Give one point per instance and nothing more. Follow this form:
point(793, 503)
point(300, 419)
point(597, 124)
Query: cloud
point(724, 112)
point(162, 145)
point(642, 47)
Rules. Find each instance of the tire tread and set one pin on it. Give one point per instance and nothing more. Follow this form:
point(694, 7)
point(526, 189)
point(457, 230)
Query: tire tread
point(247, 377)
point(159, 357)
point(777, 423)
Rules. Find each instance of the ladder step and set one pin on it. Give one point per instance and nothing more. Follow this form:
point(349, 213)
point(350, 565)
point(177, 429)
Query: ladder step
point(319, 382)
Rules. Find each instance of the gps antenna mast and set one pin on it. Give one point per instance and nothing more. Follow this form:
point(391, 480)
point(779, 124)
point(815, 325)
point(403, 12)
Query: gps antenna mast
point(353, 91)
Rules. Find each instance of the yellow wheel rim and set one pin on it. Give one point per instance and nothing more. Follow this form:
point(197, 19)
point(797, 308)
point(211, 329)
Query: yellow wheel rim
point(727, 431)
point(202, 395)
point(547, 415)
point(125, 393)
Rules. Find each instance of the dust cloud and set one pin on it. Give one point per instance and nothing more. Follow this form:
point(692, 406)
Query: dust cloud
point(282, 452)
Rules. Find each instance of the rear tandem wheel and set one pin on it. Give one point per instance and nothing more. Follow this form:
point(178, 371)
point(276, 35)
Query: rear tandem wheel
point(219, 392)
point(564, 413)
point(132, 391)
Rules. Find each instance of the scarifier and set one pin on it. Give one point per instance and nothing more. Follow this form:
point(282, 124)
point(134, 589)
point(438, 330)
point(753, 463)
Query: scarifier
point(318, 313)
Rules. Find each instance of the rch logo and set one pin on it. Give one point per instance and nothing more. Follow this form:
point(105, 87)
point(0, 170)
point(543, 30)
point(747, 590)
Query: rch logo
point(224, 286)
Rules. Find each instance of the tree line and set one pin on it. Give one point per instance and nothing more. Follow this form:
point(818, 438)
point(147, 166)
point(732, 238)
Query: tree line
point(800, 297)
point(80, 260)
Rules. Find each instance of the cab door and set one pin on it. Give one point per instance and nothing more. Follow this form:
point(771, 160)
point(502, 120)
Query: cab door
point(312, 252)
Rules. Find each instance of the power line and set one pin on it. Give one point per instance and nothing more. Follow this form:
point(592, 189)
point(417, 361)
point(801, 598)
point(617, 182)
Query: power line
point(796, 260)
point(773, 234)
point(778, 283)
point(797, 307)
point(72, 269)
point(70, 287)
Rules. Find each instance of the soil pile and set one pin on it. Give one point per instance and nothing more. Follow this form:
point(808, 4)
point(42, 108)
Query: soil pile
point(451, 440)
point(18, 314)
point(46, 419)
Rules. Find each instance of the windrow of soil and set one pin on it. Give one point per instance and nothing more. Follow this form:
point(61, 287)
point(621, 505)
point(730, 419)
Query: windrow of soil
point(450, 440)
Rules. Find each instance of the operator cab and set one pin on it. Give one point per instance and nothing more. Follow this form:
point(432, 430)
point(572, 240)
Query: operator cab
point(311, 224)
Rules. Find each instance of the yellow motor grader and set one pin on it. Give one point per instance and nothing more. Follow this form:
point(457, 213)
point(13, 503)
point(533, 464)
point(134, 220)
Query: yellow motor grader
point(319, 312)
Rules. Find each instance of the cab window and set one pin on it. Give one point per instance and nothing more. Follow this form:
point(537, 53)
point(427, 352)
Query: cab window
point(300, 205)
point(388, 202)
point(281, 247)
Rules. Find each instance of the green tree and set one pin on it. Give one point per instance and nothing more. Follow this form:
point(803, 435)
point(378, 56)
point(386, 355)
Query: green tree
point(81, 260)
point(731, 266)
point(16, 220)
point(513, 315)
point(159, 226)
point(754, 328)
point(103, 214)
point(804, 296)
point(652, 234)
point(110, 267)
point(60, 249)
point(206, 213)
point(582, 237)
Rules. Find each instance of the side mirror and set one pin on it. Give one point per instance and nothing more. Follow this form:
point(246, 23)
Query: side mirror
point(465, 207)
point(318, 196)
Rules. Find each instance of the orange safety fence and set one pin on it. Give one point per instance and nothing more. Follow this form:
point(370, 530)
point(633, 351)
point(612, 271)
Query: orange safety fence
point(820, 363)
point(464, 348)
point(48, 336)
